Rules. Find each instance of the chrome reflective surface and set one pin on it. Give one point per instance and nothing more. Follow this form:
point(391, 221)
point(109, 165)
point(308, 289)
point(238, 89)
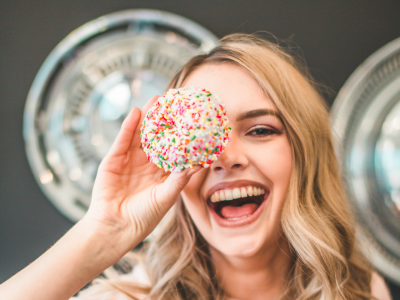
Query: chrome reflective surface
point(87, 86)
point(366, 121)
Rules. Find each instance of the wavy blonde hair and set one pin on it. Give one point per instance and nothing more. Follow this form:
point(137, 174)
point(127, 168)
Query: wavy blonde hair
point(316, 220)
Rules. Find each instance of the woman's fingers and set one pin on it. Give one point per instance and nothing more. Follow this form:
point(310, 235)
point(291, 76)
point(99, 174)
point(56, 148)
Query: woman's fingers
point(169, 190)
point(129, 135)
point(124, 138)
point(136, 139)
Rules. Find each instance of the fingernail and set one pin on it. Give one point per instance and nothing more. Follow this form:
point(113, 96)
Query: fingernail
point(194, 170)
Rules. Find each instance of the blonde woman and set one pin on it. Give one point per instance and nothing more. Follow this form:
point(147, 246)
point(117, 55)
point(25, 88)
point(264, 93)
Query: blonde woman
point(296, 242)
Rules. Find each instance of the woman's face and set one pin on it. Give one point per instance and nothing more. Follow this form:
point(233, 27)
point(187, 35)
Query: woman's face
point(257, 160)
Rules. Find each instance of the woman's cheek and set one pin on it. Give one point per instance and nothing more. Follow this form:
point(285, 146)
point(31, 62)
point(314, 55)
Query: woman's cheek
point(285, 160)
point(277, 157)
point(280, 171)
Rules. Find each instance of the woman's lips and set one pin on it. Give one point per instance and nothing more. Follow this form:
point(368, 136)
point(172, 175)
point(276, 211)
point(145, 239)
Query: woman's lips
point(241, 221)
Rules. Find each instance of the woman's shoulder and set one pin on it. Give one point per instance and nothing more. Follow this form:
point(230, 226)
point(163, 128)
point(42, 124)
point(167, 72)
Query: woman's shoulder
point(138, 276)
point(379, 288)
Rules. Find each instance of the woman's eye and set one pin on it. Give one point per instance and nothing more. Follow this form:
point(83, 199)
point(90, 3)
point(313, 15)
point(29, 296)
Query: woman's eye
point(261, 131)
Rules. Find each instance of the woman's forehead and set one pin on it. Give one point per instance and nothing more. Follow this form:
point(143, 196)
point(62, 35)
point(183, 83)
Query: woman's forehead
point(236, 87)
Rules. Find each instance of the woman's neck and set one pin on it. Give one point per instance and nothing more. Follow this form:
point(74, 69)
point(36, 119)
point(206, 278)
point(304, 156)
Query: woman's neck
point(262, 276)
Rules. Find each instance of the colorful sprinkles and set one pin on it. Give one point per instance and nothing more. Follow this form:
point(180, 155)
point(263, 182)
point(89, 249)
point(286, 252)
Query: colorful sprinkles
point(185, 127)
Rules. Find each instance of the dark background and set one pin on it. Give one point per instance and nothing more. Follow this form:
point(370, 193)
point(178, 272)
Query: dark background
point(334, 37)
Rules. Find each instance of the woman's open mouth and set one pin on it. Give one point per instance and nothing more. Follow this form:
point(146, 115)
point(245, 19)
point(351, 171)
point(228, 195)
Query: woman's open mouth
point(237, 206)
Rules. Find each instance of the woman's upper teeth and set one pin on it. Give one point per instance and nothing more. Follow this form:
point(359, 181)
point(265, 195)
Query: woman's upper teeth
point(242, 192)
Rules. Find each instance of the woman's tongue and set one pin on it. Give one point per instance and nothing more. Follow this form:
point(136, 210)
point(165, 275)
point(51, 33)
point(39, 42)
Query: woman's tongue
point(230, 212)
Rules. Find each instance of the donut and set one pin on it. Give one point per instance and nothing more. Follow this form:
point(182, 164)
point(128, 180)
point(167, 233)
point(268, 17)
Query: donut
point(185, 127)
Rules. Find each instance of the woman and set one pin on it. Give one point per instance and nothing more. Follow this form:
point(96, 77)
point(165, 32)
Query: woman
point(299, 243)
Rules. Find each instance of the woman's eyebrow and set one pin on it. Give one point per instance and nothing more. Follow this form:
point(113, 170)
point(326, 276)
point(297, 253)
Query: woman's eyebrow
point(257, 113)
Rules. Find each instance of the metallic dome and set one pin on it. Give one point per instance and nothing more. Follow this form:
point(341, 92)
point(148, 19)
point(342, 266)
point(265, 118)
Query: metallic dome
point(87, 86)
point(366, 122)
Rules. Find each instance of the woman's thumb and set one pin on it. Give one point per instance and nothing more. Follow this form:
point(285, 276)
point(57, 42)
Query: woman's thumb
point(174, 184)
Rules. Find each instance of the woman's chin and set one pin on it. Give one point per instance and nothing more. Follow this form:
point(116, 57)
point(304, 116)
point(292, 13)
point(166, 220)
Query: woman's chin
point(240, 247)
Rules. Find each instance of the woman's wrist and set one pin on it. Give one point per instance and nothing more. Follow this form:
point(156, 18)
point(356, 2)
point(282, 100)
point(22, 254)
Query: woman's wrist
point(110, 241)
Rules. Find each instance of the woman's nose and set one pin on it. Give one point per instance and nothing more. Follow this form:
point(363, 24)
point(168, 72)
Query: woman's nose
point(233, 158)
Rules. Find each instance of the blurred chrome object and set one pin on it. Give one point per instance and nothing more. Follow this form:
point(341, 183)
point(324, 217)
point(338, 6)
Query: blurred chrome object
point(366, 119)
point(87, 86)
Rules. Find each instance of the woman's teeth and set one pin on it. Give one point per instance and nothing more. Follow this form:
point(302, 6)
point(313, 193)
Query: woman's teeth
point(225, 195)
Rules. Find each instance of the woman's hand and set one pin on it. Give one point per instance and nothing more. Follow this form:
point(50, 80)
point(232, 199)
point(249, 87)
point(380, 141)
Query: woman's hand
point(130, 197)
point(131, 194)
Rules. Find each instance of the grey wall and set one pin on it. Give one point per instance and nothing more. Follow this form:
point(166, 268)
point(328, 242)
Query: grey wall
point(334, 37)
